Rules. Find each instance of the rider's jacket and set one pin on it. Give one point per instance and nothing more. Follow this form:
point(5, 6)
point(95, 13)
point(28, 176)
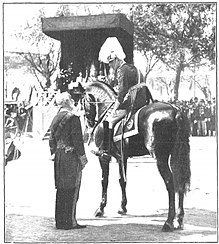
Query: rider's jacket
point(127, 76)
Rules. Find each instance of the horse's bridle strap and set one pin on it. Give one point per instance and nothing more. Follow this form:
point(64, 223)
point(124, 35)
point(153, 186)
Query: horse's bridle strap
point(102, 116)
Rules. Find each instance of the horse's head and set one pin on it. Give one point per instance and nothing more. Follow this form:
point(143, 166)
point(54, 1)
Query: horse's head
point(77, 93)
point(90, 109)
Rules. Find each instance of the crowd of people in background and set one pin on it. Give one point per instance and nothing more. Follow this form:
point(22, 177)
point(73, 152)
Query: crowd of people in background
point(201, 114)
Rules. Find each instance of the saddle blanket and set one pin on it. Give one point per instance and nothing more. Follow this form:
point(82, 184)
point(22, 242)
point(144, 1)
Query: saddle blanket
point(130, 129)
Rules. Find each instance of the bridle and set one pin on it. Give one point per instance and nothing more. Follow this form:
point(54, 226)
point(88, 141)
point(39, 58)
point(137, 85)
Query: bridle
point(93, 121)
point(88, 115)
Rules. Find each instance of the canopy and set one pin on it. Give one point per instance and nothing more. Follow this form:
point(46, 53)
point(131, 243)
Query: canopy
point(82, 37)
point(55, 26)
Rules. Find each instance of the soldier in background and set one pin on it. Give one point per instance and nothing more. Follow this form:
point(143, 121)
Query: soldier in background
point(213, 117)
point(208, 118)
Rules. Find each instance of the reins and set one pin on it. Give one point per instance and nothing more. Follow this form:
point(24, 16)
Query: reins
point(101, 117)
point(98, 87)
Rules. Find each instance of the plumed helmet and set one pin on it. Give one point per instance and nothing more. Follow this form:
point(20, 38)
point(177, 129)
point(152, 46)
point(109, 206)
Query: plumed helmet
point(111, 49)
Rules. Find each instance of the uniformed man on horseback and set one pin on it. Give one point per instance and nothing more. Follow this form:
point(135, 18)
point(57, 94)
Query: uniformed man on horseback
point(127, 76)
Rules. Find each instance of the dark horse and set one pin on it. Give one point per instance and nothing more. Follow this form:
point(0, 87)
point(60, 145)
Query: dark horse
point(163, 132)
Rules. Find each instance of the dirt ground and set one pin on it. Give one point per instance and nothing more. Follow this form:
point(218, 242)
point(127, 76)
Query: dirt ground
point(30, 200)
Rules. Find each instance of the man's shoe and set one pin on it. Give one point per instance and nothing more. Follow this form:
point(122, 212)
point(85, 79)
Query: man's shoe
point(64, 227)
point(79, 226)
point(59, 227)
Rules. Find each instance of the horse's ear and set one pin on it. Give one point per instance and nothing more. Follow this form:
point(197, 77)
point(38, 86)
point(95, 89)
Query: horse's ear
point(91, 96)
point(81, 87)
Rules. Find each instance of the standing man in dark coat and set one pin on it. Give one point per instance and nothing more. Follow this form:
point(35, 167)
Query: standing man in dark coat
point(66, 143)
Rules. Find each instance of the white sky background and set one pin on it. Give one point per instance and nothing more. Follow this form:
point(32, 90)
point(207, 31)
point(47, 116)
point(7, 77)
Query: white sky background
point(16, 16)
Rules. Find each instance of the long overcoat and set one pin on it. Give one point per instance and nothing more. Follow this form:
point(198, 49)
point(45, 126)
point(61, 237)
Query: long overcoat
point(66, 141)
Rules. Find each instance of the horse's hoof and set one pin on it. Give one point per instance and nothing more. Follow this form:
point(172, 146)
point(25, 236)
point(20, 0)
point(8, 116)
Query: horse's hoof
point(178, 224)
point(99, 213)
point(122, 211)
point(167, 227)
point(179, 227)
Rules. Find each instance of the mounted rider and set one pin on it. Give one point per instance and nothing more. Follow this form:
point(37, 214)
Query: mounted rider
point(128, 77)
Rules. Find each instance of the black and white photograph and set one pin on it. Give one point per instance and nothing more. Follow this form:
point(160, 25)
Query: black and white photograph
point(109, 122)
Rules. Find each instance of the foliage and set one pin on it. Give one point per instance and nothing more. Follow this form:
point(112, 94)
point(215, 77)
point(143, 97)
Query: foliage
point(172, 30)
point(14, 62)
point(181, 35)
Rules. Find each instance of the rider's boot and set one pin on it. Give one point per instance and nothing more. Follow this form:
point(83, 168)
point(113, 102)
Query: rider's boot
point(105, 147)
point(110, 140)
point(105, 152)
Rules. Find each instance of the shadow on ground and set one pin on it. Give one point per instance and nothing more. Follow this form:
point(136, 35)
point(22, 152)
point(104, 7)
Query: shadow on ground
point(199, 225)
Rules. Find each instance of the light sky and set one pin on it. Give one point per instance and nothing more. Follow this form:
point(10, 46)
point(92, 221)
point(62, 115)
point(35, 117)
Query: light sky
point(16, 16)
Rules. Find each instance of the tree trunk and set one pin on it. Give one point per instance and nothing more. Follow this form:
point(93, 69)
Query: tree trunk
point(177, 82)
point(48, 82)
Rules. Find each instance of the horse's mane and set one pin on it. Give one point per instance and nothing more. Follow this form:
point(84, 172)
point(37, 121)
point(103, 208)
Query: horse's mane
point(102, 91)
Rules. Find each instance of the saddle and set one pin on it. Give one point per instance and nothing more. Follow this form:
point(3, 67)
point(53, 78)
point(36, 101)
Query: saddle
point(137, 97)
point(127, 128)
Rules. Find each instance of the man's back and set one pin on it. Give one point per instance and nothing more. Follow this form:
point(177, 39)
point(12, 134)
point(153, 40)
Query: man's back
point(127, 77)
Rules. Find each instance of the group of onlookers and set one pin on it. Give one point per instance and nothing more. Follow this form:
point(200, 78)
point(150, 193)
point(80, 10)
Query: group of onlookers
point(201, 114)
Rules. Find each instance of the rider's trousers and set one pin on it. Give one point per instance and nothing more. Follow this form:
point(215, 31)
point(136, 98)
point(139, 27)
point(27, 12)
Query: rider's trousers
point(108, 128)
point(115, 117)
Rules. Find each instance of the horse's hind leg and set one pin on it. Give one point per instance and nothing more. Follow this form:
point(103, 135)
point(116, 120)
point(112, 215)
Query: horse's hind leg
point(163, 167)
point(122, 182)
point(105, 177)
point(180, 212)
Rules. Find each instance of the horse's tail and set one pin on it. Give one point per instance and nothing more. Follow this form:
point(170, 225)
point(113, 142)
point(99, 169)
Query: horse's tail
point(180, 156)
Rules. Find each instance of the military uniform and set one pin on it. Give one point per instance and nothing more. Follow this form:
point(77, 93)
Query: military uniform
point(127, 77)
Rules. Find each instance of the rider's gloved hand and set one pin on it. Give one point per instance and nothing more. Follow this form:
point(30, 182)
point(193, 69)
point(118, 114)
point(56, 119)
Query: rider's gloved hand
point(116, 105)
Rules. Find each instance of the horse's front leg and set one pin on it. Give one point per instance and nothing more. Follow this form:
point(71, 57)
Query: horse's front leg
point(104, 163)
point(122, 182)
